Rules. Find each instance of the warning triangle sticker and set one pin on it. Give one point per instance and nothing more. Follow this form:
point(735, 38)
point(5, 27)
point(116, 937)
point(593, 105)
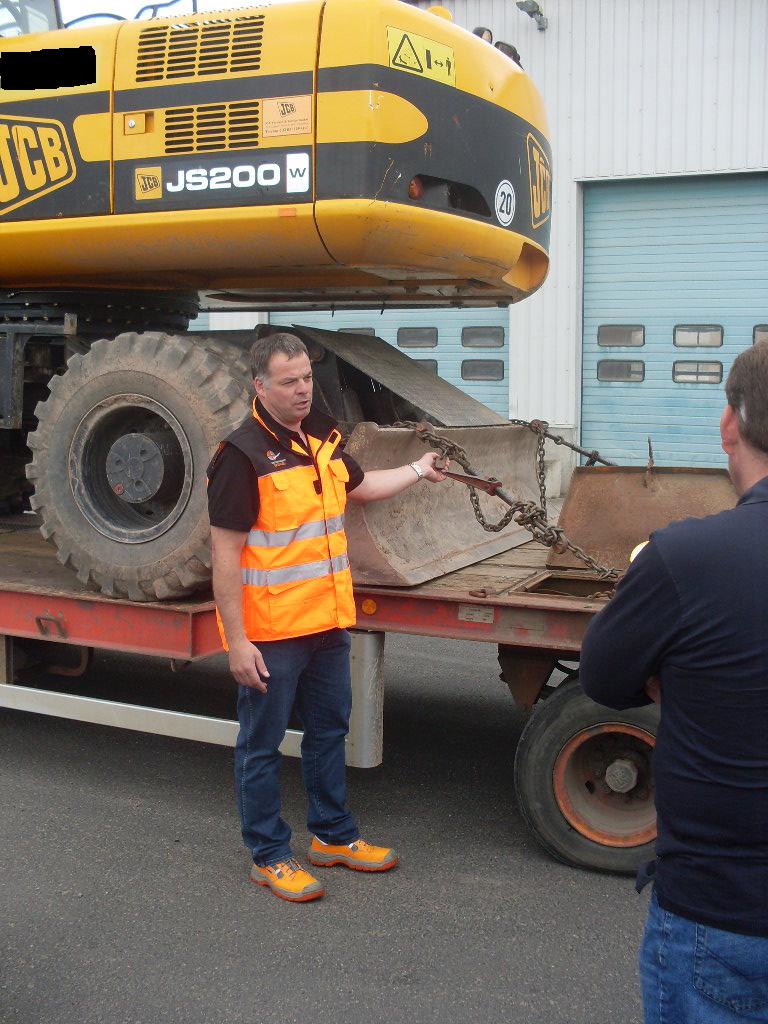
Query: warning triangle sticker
point(406, 56)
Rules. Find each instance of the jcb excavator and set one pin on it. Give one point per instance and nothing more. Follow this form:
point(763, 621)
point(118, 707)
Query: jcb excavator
point(312, 155)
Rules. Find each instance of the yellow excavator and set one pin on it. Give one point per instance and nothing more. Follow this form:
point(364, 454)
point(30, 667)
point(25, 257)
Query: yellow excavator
point(311, 155)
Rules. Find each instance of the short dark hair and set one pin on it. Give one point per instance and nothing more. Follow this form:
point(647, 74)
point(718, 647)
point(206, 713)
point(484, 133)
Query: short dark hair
point(747, 392)
point(264, 348)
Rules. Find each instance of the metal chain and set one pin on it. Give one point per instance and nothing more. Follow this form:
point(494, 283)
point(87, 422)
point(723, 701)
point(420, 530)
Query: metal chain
point(528, 514)
point(541, 427)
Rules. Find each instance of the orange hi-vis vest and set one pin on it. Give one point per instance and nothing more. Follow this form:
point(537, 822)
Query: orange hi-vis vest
point(295, 569)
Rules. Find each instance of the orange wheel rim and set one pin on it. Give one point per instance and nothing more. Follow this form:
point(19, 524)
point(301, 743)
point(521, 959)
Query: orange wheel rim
point(603, 785)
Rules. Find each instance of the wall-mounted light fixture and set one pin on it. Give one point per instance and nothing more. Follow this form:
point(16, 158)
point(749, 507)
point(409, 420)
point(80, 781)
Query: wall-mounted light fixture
point(533, 9)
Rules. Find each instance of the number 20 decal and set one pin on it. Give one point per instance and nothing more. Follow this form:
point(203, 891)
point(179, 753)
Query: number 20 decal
point(504, 203)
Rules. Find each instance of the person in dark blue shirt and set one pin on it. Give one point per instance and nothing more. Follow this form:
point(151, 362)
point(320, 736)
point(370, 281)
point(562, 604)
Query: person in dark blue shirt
point(688, 627)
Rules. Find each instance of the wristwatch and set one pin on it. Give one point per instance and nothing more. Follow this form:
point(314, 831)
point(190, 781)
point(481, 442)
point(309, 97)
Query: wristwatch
point(417, 470)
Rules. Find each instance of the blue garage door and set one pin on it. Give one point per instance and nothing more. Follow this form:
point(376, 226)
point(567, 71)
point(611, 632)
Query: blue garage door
point(675, 286)
point(467, 348)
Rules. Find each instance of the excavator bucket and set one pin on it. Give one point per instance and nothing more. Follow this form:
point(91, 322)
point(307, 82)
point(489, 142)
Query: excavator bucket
point(609, 510)
point(427, 531)
point(430, 530)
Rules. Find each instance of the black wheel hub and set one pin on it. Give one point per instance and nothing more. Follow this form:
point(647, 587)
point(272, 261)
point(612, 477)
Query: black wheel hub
point(130, 468)
point(135, 468)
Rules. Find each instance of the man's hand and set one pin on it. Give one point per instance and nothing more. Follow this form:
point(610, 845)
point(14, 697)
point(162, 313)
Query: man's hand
point(653, 689)
point(427, 463)
point(247, 665)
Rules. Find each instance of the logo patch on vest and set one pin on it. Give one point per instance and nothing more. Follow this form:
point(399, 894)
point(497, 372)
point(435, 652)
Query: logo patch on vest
point(276, 458)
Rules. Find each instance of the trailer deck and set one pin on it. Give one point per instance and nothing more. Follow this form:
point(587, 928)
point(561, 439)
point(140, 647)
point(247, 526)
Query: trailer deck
point(489, 601)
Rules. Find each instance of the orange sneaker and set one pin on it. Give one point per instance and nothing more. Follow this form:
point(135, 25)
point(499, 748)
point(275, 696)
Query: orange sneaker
point(359, 855)
point(288, 880)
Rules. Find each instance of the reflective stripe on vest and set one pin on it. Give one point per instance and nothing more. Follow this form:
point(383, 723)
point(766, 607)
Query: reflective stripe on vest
point(282, 538)
point(295, 573)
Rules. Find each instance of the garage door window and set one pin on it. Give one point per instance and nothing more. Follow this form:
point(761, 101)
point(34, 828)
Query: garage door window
point(358, 330)
point(621, 335)
point(632, 371)
point(698, 336)
point(760, 333)
point(482, 337)
point(417, 337)
point(482, 369)
point(428, 364)
point(684, 372)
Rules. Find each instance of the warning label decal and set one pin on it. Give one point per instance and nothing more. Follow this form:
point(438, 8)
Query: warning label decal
point(421, 56)
point(286, 115)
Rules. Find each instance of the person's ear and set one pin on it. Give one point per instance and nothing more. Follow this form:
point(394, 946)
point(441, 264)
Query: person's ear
point(729, 429)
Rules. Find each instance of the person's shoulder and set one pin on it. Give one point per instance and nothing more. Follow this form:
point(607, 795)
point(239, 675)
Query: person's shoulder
point(694, 537)
point(227, 459)
point(247, 429)
point(249, 439)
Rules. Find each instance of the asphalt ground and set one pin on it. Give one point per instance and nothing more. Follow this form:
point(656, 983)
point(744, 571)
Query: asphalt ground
point(124, 894)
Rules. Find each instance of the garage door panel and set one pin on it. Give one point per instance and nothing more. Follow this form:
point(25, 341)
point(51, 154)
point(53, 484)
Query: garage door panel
point(663, 253)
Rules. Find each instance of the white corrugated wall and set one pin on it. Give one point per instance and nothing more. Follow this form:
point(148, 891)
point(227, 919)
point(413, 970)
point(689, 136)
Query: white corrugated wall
point(633, 88)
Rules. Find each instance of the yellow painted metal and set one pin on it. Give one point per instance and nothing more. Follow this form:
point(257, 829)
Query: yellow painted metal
point(93, 135)
point(385, 240)
point(220, 249)
point(356, 33)
point(337, 247)
point(367, 116)
point(293, 31)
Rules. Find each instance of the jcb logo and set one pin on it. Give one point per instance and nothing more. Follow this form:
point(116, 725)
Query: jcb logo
point(540, 177)
point(148, 183)
point(35, 159)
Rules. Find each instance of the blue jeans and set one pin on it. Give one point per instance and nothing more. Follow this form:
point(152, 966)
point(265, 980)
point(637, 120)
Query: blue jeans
point(694, 974)
point(312, 672)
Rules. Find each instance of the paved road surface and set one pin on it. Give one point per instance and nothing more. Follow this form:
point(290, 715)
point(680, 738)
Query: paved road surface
point(123, 893)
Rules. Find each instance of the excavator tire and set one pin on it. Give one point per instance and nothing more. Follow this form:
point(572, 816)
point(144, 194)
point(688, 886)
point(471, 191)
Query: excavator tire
point(235, 357)
point(119, 462)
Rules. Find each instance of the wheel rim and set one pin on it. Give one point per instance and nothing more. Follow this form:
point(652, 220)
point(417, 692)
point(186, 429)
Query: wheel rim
point(603, 785)
point(130, 468)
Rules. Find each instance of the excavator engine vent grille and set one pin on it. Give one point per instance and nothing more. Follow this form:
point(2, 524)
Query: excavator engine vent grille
point(219, 126)
point(216, 46)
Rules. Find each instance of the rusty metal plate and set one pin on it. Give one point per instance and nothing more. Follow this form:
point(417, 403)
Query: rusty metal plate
point(430, 529)
point(608, 510)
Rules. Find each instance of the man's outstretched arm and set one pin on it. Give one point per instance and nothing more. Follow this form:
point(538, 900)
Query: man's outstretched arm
point(386, 483)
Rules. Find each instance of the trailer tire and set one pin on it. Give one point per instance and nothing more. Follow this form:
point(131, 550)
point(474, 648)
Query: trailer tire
point(568, 752)
point(119, 461)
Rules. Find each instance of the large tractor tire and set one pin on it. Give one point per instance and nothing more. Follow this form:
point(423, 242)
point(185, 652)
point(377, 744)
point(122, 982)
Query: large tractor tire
point(119, 461)
point(584, 781)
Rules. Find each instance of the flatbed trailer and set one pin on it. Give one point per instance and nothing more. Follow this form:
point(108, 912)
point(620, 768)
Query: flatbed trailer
point(511, 600)
point(583, 773)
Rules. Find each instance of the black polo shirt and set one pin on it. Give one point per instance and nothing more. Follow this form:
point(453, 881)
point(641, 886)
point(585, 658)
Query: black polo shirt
point(693, 609)
point(233, 490)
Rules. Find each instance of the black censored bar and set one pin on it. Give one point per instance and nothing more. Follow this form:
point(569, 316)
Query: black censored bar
point(62, 68)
